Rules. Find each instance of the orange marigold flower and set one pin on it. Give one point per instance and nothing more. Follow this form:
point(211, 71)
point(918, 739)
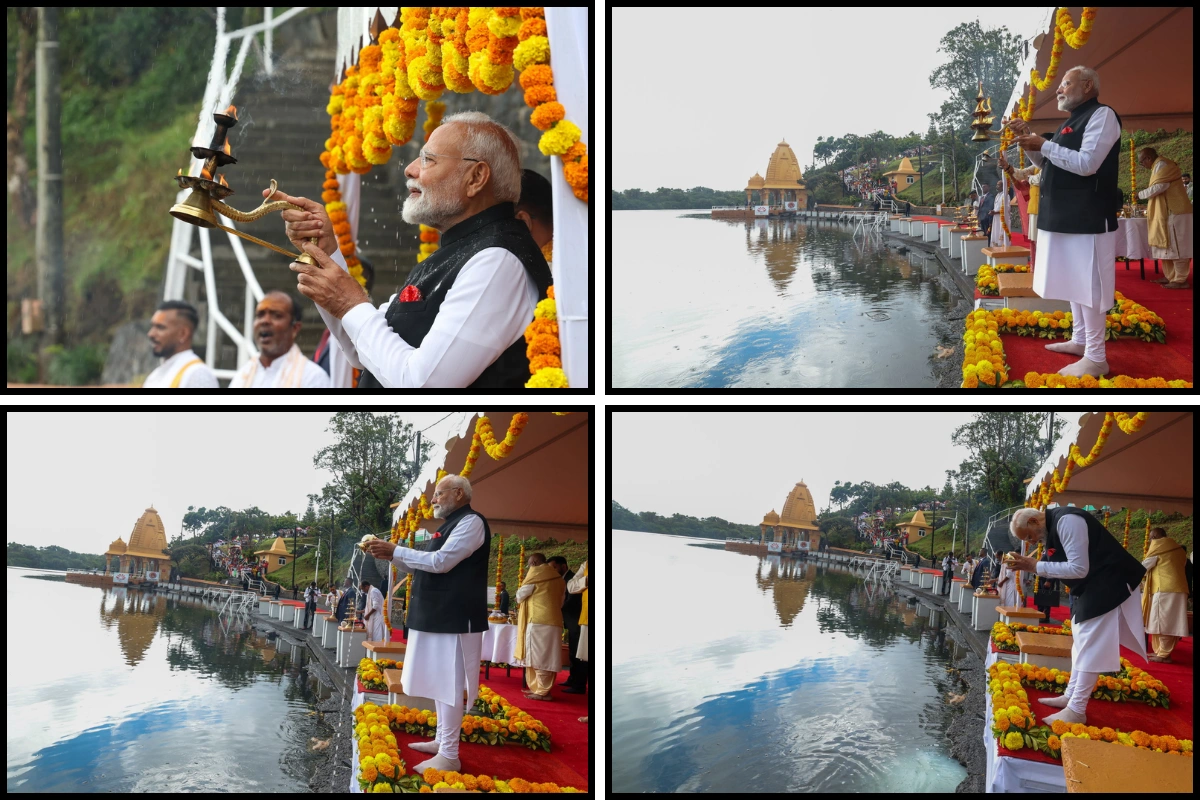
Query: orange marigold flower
point(539, 93)
point(545, 115)
point(537, 75)
point(429, 236)
point(536, 363)
point(536, 26)
point(533, 12)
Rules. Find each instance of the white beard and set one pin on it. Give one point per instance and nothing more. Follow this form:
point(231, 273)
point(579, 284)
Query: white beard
point(438, 511)
point(430, 210)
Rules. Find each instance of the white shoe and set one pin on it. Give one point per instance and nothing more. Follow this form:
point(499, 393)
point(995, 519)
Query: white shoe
point(1069, 346)
point(1066, 715)
point(1085, 366)
point(425, 747)
point(1056, 702)
point(439, 763)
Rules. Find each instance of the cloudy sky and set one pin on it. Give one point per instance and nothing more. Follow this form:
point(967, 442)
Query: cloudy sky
point(81, 480)
point(703, 96)
point(738, 466)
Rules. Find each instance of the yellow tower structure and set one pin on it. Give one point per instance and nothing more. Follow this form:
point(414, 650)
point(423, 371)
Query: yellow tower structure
point(795, 528)
point(915, 529)
point(783, 185)
point(147, 550)
point(905, 175)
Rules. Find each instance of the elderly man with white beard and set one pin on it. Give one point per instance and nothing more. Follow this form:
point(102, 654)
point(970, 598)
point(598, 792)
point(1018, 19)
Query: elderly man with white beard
point(460, 319)
point(448, 615)
point(1104, 581)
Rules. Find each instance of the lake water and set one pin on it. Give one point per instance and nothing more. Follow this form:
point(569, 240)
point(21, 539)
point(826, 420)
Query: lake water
point(698, 302)
point(149, 693)
point(736, 672)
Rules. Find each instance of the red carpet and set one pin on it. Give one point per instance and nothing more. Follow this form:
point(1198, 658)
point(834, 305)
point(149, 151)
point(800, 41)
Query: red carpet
point(1132, 357)
point(1128, 717)
point(567, 762)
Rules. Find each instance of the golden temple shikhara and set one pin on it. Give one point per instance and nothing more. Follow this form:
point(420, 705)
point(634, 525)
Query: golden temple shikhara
point(146, 551)
point(782, 192)
point(796, 528)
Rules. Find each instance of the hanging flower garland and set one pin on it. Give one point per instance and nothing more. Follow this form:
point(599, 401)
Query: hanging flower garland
point(499, 568)
point(336, 210)
point(543, 348)
point(491, 66)
point(1076, 38)
point(455, 53)
point(521, 566)
point(485, 440)
point(1132, 174)
point(399, 100)
point(561, 137)
point(412, 543)
point(429, 243)
point(1056, 52)
point(1146, 539)
point(424, 62)
point(1125, 541)
point(1037, 578)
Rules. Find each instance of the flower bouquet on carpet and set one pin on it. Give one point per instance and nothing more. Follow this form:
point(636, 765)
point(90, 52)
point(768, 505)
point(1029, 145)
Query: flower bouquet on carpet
point(432, 779)
point(370, 673)
point(379, 765)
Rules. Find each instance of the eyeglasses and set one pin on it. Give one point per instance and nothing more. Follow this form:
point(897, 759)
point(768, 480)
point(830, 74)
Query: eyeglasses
point(430, 158)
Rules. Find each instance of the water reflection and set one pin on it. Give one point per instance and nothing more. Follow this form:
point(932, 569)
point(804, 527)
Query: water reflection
point(770, 302)
point(784, 676)
point(157, 693)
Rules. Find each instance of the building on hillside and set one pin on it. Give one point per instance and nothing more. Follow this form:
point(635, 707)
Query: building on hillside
point(781, 193)
point(795, 529)
point(276, 556)
point(915, 529)
point(904, 175)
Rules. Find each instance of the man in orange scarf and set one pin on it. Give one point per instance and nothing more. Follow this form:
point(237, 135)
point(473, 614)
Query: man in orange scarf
point(540, 625)
point(1164, 603)
point(1169, 218)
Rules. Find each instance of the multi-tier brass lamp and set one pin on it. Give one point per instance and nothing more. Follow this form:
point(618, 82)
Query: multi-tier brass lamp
point(209, 190)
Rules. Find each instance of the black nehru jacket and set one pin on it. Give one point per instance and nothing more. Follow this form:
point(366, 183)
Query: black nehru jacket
point(492, 227)
point(1073, 203)
point(454, 601)
point(1111, 569)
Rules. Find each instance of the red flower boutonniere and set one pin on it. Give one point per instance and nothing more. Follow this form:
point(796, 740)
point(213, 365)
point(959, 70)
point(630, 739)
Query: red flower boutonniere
point(1050, 552)
point(1067, 129)
point(410, 294)
point(437, 535)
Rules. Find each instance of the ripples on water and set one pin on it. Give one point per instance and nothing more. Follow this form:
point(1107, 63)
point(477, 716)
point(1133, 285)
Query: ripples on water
point(739, 672)
point(147, 692)
point(698, 302)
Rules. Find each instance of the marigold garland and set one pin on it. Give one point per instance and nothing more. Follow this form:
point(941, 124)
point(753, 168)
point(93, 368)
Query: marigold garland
point(485, 441)
point(1132, 174)
point(336, 210)
point(491, 69)
point(543, 348)
point(1146, 538)
point(1076, 38)
point(455, 53)
point(1056, 52)
point(521, 565)
point(1037, 578)
point(429, 242)
point(986, 280)
point(1053, 484)
point(499, 567)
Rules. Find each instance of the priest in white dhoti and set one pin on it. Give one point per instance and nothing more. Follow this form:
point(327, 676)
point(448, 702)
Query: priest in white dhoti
point(1168, 218)
point(999, 211)
point(448, 615)
point(1164, 602)
point(1104, 581)
point(1006, 585)
point(373, 615)
point(1077, 219)
point(540, 626)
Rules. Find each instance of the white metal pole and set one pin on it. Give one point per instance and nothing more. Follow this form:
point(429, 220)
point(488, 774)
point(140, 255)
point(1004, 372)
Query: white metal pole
point(210, 299)
point(247, 327)
point(268, 14)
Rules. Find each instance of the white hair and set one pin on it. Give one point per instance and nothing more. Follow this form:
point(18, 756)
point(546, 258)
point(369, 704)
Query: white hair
point(1086, 74)
point(494, 144)
point(457, 482)
point(1024, 518)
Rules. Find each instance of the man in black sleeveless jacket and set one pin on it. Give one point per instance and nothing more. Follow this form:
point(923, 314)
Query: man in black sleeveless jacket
point(448, 614)
point(1077, 215)
point(1104, 581)
point(460, 319)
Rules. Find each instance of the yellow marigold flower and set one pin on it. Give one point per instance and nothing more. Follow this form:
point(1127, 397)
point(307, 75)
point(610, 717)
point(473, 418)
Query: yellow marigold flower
point(382, 787)
point(545, 310)
point(534, 50)
point(547, 379)
point(1013, 740)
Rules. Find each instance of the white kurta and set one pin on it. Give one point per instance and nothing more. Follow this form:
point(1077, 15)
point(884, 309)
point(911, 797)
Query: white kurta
point(486, 310)
point(543, 643)
point(1079, 267)
point(576, 586)
point(284, 372)
point(1097, 641)
point(1008, 591)
point(198, 376)
point(441, 666)
point(1179, 226)
point(1168, 610)
point(997, 234)
point(376, 625)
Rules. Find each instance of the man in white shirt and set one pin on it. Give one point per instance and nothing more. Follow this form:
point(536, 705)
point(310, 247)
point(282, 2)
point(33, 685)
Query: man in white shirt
point(280, 364)
point(448, 615)
point(461, 318)
point(1107, 603)
point(171, 330)
point(1077, 216)
point(373, 617)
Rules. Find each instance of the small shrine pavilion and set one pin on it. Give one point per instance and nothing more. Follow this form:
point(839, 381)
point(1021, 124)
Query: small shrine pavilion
point(915, 529)
point(146, 551)
point(904, 175)
point(276, 556)
point(783, 189)
point(796, 528)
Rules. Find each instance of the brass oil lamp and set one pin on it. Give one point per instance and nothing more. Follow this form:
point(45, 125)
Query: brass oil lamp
point(209, 190)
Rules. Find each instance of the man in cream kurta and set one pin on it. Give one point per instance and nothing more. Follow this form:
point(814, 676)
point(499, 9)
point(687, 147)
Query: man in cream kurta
point(1164, 604)
point(576, 585)
point(444, 666)
point(1096, 643)
point(540, 625)
point(1168, 218)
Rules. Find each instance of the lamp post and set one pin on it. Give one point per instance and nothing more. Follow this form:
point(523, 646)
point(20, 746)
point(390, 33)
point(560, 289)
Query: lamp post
point(293, 563)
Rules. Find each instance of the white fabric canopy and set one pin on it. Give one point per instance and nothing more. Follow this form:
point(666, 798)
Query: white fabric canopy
point(539, 490)
point(1150, 468)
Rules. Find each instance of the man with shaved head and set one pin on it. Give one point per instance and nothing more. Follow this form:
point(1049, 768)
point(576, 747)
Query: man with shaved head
point(449, 614)
point(280, 364)
point(460, 319)
point(171, 330)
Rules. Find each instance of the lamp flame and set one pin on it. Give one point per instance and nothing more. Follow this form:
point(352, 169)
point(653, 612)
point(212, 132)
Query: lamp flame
point(221, 180)
point(227, 147)
point(204, 173)
point(231, 111)
point(179, 174)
